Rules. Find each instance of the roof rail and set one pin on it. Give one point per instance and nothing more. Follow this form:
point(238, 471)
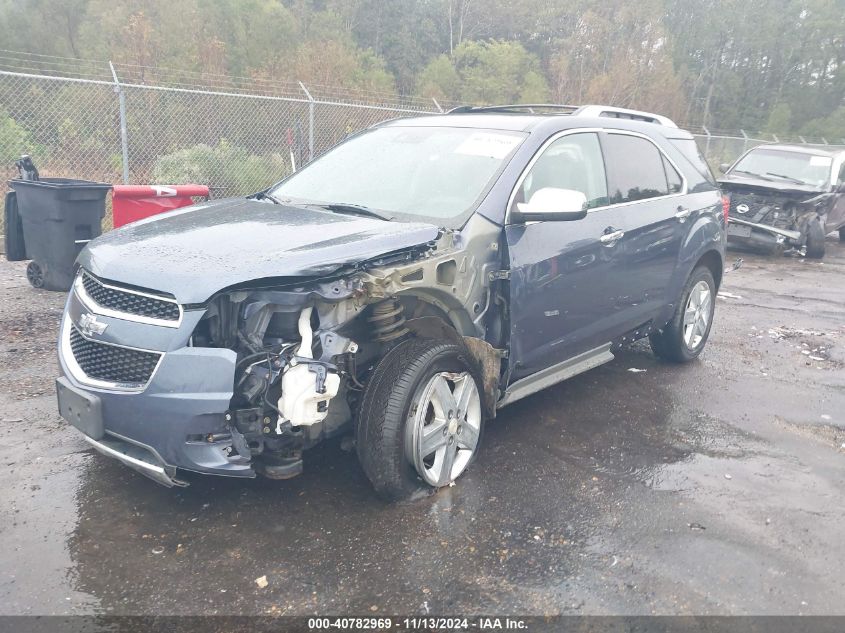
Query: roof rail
point(531, 108)
point(574, 110)
point(623, 113)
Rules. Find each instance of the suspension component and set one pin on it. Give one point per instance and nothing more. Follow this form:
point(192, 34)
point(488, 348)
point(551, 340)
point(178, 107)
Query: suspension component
point(388, 321)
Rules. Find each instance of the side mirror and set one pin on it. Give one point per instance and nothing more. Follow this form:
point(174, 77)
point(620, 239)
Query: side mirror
point(724, 167)
point(550, 203)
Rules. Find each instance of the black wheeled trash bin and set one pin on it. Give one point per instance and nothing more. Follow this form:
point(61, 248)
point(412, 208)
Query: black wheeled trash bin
point(15, 247)
point(59, 217)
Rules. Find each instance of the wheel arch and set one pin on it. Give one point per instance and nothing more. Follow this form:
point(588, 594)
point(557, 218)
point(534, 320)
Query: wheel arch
point(712, 259)
point(487, 358)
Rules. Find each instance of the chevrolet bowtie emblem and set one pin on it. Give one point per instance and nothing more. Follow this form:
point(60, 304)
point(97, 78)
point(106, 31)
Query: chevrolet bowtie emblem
point(89, 325)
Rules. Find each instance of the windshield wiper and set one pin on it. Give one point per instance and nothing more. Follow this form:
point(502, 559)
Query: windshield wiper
point(264, 195)
point(751, 173)
point(347, 207)
point(797, 181)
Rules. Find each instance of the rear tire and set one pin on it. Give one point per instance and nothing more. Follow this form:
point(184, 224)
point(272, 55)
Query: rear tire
point(399, 403)
point(815, 240)
point(36, 275)
point(684, 337)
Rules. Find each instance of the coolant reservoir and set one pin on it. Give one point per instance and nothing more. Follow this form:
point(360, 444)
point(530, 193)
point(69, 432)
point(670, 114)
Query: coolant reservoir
point(300, 400)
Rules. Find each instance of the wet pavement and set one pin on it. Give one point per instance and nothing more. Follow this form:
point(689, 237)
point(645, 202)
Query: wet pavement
point(713, 488)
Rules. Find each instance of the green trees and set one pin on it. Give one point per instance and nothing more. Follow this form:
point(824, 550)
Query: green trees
point(830, 127)
point(498, 71)
point(485, 72)
point(233, 170)
point(741, 59)
point(760, 65)
point(14, 140)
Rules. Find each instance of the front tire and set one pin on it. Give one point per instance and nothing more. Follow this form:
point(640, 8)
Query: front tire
point(815, 240)
point(420, 421)
point(684, 337)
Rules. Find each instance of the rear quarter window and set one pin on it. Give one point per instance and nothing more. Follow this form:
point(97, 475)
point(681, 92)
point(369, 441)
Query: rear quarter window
point(689, 149)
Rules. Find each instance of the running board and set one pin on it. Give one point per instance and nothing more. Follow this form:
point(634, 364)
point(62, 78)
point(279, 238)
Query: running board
point(555, 374)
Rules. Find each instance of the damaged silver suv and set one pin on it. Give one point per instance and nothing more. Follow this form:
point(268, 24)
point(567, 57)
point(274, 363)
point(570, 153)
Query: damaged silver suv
point(402, 288)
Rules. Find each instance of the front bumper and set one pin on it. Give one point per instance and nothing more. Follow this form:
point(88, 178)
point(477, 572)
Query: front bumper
point(167, 424)
point(746, 235)
point(136, 458)
point(771, 230)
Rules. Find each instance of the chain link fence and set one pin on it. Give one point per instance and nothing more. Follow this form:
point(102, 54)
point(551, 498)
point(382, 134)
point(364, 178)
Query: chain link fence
point(115, 125)
point(234, 142)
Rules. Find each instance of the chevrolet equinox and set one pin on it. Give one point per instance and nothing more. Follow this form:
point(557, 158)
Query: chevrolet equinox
point(402, 287)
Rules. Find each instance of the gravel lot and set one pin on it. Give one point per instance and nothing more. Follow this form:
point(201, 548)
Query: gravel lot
point(713, 488)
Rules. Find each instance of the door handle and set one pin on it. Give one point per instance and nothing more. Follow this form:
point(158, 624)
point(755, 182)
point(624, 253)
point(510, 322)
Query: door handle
point(609, 239)
point(683, 214)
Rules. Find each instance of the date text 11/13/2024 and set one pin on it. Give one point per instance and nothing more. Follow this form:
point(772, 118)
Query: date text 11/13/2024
point(427, 623)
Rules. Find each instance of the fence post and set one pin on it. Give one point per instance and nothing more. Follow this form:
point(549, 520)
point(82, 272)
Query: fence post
point(744, 140)
point(310, 121)
point(439, 109)
point(124, 141)
point(707, 143)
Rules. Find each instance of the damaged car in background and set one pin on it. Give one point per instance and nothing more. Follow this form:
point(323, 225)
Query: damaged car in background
point(786, 198)
point(399, 289)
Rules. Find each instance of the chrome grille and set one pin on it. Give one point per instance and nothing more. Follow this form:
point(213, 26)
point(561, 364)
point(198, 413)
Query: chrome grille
point(110, 363)
point(129, 302)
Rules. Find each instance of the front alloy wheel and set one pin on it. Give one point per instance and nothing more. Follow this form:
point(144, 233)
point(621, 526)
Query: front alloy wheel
point(421, 419)
point(443, 429)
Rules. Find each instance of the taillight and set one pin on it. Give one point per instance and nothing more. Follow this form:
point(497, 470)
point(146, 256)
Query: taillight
point(726, 207)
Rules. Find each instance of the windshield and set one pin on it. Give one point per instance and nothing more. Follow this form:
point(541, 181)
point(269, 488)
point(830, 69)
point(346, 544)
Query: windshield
point(433, 173)
point(779, 165)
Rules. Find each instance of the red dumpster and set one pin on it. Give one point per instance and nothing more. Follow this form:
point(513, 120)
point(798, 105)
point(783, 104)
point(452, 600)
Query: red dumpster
point(136, 202)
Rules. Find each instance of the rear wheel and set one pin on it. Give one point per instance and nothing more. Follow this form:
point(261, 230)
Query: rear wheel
point(36, 275)
point(421, 418)
point(815, 239)
point(684, 337)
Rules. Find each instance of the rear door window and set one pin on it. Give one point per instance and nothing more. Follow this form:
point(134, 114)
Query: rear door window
point(635, 168)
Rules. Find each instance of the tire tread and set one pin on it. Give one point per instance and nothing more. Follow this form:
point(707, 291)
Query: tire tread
point(668, 343)
point(381, 417)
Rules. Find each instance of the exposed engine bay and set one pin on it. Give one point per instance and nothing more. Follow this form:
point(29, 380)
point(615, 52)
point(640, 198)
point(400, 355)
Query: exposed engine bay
point(775, 218)
point(305, 349)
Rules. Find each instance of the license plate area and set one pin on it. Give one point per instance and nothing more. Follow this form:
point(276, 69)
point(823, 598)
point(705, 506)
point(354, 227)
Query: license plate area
point(739, 230)
point(80, 409)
